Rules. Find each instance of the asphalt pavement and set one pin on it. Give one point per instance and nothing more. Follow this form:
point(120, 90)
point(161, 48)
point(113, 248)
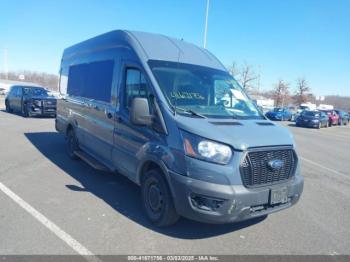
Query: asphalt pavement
point(51, 204)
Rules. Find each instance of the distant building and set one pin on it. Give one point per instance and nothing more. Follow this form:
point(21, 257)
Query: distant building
point(265, 103)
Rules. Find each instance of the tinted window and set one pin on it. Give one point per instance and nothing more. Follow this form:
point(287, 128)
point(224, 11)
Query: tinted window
point(19, 91)
point(92, 80)
point(35, 91)
point(310, 113)
point(135, 86)
point(13, 90)
point(77, 79)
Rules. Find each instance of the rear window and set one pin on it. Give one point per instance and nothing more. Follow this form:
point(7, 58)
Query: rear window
point(93, 80)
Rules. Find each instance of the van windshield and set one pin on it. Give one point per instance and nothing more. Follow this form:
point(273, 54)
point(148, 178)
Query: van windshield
point(202, 90)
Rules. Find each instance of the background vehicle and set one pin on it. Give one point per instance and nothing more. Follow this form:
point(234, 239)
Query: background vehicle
point(2, 91)
point(306, 106)
point(279, 113)
point(30, 101)
point(343, 117)
point(151, 107)
point(315, 119)
point(333, 117)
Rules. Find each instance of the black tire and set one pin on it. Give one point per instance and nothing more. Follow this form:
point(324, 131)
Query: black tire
point(330, 123)
point(8, 107)
point(72, 144)
point(157, 200)
point(24, 111)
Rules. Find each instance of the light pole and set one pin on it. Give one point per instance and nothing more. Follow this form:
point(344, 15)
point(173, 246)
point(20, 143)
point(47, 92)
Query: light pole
point(206, 25)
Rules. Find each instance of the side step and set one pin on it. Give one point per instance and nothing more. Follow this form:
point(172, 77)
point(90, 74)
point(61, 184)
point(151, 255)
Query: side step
point(91, 161)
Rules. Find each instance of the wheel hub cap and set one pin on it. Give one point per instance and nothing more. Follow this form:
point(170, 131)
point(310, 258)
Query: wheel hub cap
point(155, 197)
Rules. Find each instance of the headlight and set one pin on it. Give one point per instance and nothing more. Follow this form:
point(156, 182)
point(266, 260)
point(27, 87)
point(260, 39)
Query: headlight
point(204, 149)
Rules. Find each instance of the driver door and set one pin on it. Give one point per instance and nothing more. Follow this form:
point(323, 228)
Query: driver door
point(129, 138)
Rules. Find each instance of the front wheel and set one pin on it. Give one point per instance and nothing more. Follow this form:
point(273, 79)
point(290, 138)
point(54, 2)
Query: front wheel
point(24, 111)
point(157, 199)
point(8, 107)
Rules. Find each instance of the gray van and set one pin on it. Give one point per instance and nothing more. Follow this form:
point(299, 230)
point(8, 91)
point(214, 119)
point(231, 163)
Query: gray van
point(167, 114)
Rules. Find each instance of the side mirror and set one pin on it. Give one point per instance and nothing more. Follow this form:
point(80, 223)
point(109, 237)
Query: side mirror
point(139, 112)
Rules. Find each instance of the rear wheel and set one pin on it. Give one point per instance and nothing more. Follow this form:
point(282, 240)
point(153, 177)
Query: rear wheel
point(157, 200)
point(72, 144)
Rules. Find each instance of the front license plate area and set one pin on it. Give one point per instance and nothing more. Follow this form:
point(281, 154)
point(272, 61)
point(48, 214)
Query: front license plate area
point(278, 196)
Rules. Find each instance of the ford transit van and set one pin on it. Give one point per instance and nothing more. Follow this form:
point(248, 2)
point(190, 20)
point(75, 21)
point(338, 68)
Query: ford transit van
point(168, 115)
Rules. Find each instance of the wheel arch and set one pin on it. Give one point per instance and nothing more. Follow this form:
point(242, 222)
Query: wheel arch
point(151, 163)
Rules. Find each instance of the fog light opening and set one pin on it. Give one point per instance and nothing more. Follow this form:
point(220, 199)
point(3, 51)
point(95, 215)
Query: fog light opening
point(206, 203)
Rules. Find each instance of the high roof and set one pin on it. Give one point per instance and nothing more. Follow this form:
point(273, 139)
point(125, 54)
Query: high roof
point(149, 47)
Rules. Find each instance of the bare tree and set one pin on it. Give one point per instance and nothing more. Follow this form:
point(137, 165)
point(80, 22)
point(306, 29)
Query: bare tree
point(245, 75)
point(302, 91)
point(233, 69)
point(248, 77)
point(47, 80)
point(281, 93)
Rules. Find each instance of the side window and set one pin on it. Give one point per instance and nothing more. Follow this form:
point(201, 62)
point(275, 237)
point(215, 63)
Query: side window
point(99, 80)
point(77, 79)
point(135, 86)
point(93, 80)
point(13, 90)
point(19, 91)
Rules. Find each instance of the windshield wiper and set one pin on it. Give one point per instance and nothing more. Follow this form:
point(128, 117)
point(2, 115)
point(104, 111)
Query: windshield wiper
point(191, 112)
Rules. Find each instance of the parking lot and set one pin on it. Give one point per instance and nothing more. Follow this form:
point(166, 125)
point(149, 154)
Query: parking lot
point(55, 205)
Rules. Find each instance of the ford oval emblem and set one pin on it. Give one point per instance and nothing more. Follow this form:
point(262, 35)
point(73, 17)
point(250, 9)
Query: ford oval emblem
point(276, 164)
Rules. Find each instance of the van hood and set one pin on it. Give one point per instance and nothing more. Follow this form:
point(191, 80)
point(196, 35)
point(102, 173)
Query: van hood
point(240, 134)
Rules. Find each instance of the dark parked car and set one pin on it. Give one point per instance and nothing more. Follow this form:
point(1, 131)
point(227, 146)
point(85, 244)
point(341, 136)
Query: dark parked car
point(343, 117)
point(333, 117)
point(314, 119)
point(30, 101)
point(279, 113)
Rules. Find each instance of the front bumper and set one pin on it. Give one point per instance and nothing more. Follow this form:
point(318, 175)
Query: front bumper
point(238, 202)
point(308, 124)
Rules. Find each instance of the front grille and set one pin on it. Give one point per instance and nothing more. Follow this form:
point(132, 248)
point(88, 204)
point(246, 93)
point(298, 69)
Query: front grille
point(49, 103)
point(256, 171)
